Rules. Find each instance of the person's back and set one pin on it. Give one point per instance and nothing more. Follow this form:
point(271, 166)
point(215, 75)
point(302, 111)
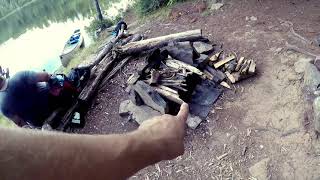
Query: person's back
point(25, 98)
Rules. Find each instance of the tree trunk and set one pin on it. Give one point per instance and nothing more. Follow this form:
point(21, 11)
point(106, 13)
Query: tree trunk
point(100, 17)
point(158, 42)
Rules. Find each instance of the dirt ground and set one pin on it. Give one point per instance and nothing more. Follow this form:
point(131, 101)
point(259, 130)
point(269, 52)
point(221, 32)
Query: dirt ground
point(268, 115)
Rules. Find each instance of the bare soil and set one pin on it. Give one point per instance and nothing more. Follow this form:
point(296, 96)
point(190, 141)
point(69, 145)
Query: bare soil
point(268, 114)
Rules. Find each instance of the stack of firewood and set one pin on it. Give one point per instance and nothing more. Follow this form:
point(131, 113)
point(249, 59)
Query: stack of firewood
point(164, 79)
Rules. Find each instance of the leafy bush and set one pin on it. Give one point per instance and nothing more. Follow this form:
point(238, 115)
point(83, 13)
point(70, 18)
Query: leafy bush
point(97, 24)
point(146, 6)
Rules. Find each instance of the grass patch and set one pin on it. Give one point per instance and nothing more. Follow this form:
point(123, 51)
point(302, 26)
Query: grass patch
point(6, 122)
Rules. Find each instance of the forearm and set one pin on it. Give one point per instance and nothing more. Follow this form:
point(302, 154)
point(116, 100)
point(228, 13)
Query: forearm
point(60, 156)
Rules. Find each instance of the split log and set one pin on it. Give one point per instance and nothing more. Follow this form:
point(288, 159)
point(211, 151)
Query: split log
point(225, 84)
point(214, 58)
point(181, 65)
point(208, 75)
point(239, 64)
point(158, 42)
point(252, 67)
point(169, 95)
point(226, 60)
point(133, 78)
point(150, 97)
point(167, 89)
point(246, 67)
point(230, 77)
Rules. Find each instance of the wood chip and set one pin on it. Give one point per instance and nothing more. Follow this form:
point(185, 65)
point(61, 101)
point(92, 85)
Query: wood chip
point(225, 84)
point(215, 57)
point(222, 62)
point(230, 77)
point(222, 156)
point(252, 67)
point(246, 68)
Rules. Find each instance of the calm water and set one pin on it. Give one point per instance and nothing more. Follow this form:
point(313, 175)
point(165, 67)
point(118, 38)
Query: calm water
point(32, 37)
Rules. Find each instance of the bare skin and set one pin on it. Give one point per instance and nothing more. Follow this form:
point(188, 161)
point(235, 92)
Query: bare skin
point(27, 154)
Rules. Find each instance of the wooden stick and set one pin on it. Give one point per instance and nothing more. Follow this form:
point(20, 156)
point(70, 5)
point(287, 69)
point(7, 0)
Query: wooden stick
point(230, 77)
point(226, 60)
point(167, 89)
point(180, 65)
point(240, 62)
point(169, 95)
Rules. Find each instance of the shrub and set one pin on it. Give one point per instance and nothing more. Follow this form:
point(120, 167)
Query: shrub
point(146, 6)
point(96, 24)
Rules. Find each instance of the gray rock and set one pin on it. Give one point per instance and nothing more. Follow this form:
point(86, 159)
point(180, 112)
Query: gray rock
point(193, 121)
point(138, 113)
point(317, 62)
point(216, 6)
point(300, 65)
point(135, 98)
point(201, 59)
point(261, 169)
point(182, 51)
point(311, 77)
point(202, 47)
point(318, 40)
point(316, 110)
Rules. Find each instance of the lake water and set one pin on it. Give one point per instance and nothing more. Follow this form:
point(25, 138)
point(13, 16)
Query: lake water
point(32, 37)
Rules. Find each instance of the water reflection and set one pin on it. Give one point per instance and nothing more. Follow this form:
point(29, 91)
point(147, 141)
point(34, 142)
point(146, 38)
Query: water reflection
point(33, 37)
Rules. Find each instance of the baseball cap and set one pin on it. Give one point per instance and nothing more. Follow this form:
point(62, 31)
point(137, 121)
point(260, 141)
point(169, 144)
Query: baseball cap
point(3, 83)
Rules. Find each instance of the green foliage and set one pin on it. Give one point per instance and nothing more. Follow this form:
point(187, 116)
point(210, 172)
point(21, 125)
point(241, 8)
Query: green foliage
point(96, 24)
point(146, 6)
point(5, 122)
point(6, 6)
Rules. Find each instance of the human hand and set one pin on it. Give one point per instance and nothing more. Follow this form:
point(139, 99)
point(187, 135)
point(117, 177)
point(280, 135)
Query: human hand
point(166, 133)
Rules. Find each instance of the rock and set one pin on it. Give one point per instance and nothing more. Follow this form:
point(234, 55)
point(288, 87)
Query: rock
point(311, 77)
point(123, 109)
point(137, 113)
point(300, 65)
point(216, 6)
point(135, 98)
point(316, 113)
point(201, 59)
point(318, 40)
point(261, 169)
point(253, 18)
point(202, 47)
point(317, 62)
point(193, 121)
point(182, 51)
point(150, 97)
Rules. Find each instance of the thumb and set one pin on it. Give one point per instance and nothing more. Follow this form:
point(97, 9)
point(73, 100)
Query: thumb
point(184, 112)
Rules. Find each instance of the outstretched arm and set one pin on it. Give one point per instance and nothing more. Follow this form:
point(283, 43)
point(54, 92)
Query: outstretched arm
point(27, 154)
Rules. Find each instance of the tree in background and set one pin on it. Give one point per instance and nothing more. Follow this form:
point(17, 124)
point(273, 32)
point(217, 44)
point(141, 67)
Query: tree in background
point(100, 17)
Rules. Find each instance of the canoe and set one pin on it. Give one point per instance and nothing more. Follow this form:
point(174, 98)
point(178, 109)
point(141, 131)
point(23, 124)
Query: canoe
point(74, 43)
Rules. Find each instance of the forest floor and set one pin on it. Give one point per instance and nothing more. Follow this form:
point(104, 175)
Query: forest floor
point(264, 123)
